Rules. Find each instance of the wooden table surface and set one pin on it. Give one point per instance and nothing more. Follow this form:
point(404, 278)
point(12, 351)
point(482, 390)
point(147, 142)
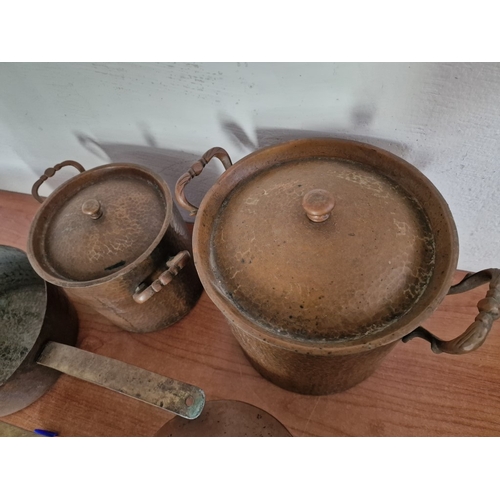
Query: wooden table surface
point(414, 392)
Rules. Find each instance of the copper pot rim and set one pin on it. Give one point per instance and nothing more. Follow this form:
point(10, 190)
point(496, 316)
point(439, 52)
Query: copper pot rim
point(46, 275)
point(314, 347)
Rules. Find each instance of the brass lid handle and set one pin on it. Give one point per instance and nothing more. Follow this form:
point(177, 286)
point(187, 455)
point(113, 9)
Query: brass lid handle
point(318, 204)
point(92, 208)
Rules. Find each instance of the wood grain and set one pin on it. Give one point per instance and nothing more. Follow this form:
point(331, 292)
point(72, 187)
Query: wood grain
point(414, 393)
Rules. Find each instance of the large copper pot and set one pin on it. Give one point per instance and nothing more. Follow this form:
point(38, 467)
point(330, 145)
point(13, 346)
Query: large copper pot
point(323, 254)
point(113, 236)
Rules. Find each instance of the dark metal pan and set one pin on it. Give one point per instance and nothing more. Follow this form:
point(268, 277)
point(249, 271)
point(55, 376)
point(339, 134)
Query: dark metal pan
point(38, 329)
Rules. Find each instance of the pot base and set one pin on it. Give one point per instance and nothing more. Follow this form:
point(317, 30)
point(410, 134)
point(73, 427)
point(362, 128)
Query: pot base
point(310, 374)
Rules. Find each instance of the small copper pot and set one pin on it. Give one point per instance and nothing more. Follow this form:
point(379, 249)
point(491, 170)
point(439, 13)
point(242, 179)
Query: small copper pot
point(323, 254)
point(115, 238)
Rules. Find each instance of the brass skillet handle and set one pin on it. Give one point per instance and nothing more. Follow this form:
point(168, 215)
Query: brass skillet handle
point(174, 265)
point(475, 335)
point(195, 170)
point(49, 173)
point(183, 399)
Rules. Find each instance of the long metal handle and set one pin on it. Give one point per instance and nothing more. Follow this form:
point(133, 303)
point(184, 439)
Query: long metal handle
point(475, 335)
point(197, 169)
point(177, 397)
point(174, 265)
point(49, 173)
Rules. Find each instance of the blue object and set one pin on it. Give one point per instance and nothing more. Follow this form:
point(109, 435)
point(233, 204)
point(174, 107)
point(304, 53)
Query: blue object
point(45, 433)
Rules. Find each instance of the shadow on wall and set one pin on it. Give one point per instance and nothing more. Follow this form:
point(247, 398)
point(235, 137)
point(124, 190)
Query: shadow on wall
point(171, 163)
point(270, 136)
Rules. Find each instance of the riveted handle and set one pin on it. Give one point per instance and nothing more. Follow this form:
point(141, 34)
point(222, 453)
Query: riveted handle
point(174, 265)
point(183, 399)
point(475, 335)
point(49, 173)
point(195, 170)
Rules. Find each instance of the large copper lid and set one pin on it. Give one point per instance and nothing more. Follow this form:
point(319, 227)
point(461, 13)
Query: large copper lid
point(321, 249)
point(98, 223)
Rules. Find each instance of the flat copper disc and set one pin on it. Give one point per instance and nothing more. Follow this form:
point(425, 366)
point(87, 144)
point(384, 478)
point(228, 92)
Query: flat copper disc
point(226, 419)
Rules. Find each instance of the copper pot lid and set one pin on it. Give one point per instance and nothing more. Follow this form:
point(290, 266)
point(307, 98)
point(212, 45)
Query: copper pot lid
point(226, 419)
point(98, 223)
point(322, 249)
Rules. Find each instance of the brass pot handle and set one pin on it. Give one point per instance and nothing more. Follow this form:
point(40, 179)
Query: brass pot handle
point(195, 170)
point(174, 265)
point(49, 173)
point(475, 335)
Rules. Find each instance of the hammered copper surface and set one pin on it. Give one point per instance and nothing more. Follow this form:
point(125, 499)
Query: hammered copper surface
point(78, 247)
point(226, 419)
point(349, 276)
point(31, 313)
point(107, 234)
point(302, 356)
point(309, 373)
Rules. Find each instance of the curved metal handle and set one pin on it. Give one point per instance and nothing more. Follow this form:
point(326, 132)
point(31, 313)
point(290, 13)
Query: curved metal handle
point(475, 335)
point(183, 399)
point(49, 173)
point(174, 265)
point(195, 170)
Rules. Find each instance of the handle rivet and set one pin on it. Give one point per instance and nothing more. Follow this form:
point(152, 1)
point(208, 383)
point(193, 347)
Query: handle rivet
point(92, 208)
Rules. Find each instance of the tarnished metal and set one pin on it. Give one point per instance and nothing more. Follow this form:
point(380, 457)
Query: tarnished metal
point(92, 208)
point(177, 397)
point(317, 302)
point(31, 313)
point(109, 231)
point(37, 321)
point(475, 335)
point(318, 204)
point(226, 419)
point(174, 265)
point(50, 173)
point(197, 169)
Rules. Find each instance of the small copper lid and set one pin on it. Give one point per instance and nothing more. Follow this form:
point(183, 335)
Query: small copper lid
point(322, 249)
point(98, 223)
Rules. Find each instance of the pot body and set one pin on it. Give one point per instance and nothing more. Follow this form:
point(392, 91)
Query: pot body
point(309, 373)
point(109, 236)
point(114, 298)
point(54, 319)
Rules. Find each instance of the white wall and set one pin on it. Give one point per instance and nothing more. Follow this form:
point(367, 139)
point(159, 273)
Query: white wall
point(443, 118)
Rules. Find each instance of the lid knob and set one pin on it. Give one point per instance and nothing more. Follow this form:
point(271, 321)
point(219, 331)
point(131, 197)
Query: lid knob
point(318, 204)
point(92, 208)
